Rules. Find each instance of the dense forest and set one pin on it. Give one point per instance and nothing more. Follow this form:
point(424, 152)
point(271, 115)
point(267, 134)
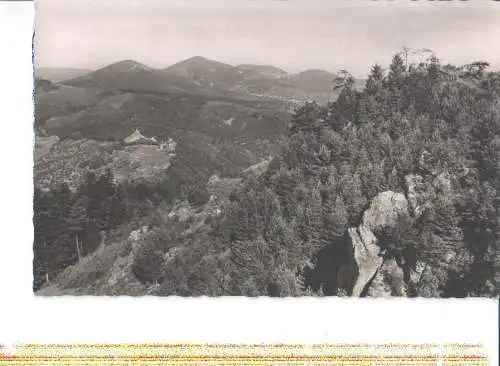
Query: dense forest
point(285, 232)
point(70, 225)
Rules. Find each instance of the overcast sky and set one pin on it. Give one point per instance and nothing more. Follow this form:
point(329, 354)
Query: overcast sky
point(292, 34)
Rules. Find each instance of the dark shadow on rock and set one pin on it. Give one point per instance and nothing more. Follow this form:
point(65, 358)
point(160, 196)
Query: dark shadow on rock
point(335, 268)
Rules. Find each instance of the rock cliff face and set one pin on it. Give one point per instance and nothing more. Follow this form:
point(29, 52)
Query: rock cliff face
point(384, 211)
point(388, 281)
point(378, 276)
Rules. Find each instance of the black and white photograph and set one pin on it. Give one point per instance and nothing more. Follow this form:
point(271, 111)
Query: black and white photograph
point(266, 148)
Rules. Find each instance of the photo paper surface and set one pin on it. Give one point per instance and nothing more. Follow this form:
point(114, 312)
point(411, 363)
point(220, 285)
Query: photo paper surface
point(265, 148)
point(278, 177)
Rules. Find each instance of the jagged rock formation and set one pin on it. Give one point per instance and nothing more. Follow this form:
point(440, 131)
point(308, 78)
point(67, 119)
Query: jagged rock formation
point(388, 281)
point(378, 276)
point(367, 255)
point(384, 211)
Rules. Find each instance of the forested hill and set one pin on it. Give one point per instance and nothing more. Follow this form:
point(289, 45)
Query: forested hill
point(427, 132)
point(392, 190)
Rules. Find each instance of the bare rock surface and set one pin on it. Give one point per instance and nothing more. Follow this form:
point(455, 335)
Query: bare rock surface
point(388, 281)
point(367, 255)
point(384, 211)
point(381, 277)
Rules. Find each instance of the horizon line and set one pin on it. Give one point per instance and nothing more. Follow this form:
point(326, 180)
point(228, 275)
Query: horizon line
point(287, 70)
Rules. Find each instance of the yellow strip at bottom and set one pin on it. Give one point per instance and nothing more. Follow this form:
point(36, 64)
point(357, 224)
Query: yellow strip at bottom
point(232, 354)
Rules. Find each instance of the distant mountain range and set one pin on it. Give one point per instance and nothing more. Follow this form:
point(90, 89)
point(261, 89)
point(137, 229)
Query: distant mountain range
point(202, 76)
point(133, 76)
point(195, 67)
point(207, 72)
point(196, 93)
point(263, 70)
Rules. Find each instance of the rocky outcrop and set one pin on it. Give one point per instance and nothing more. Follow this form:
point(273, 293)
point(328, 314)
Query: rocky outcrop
point(384, 211)
point(388, 281)
point(378, 276)
point(367, 255)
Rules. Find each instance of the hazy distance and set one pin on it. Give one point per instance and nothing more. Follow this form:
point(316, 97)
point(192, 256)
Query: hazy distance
point(293, 34)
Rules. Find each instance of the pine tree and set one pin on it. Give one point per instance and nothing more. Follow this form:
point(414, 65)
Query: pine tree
point(75, 221)
point(314, 220)
point(375, 79)
point(284, 187)
point(353, 197)
point(434, 68)
point(395, 82)
point(397, 71)
point(442, 222)
point(249, 270)
point(334, 218)
point(306, 117)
